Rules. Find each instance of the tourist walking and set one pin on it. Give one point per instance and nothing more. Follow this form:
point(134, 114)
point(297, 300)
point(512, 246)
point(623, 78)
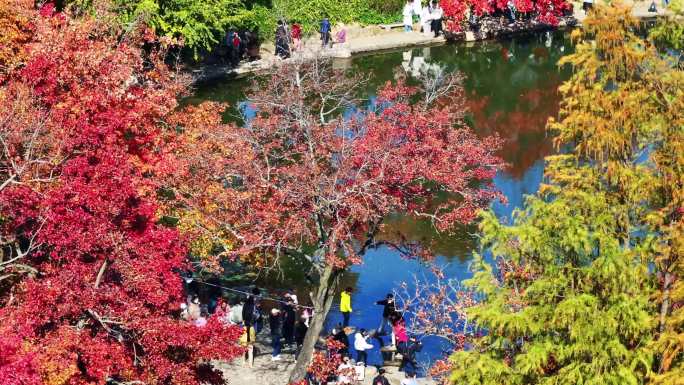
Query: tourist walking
point(587, 5)
point(361, 345)
point(296, 35)
point(247, 341)
point(387, 310)
point(282, 48)
point(300, 333)
point(325, 32)
point(275, 322)
point(345, 305)
point(408, 16)
point(236, 50)
point(436, 14)
point(380, 379)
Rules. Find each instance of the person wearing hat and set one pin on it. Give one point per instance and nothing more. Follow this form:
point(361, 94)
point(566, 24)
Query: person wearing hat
point(275, 321)
point(380, 379)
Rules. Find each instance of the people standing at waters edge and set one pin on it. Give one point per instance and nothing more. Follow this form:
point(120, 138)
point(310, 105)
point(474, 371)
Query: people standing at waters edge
point(387, 310)
point(289, 319)
point(345, 305)
point(296, 35)
point(399, 330)
point(282, 48)
point(340, 335)
point(408, 355)
point(300, 332)
point(325, 32)
point(436, 14)
point(235, 52)
point(275, 321)
point(408, 16)
point(361, 344)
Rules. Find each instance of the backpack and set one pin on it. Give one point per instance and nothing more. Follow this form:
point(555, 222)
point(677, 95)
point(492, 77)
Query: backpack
point(236, 41)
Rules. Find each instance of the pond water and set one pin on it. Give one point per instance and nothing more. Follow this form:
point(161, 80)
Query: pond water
point(511, 90)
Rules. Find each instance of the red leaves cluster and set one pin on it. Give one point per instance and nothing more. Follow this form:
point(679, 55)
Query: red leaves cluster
point(92, 287)
point(299, 175)
point(544, 11)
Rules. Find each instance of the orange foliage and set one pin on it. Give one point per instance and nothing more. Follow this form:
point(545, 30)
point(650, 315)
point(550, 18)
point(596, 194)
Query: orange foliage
point(15, 32)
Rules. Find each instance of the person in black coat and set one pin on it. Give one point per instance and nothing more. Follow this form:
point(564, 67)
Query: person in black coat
point(250, 309)
point(387, 311)
point(289, 319)
point(275, 322)
point(282, 48)
point(408, 356)
point(340, 336)
point(299, 335)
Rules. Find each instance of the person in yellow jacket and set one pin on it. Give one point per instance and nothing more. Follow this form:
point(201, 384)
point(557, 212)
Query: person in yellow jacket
point(247, 340)
point(345, 305)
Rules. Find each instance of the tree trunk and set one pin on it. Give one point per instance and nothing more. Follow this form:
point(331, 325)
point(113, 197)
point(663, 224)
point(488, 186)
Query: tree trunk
point(665, 305)
point(322, 302)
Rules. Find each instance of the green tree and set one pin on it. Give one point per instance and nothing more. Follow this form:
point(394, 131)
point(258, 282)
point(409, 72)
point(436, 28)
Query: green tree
point(199, 23)
point(614, 206)
point(574, 309)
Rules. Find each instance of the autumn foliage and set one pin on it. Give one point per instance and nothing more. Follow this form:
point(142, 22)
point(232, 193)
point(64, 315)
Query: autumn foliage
point(543, 11)
point(89, 283)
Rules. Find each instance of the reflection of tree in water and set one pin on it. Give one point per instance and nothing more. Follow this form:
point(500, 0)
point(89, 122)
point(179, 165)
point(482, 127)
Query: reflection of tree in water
point(523, 128)
point(405, 228)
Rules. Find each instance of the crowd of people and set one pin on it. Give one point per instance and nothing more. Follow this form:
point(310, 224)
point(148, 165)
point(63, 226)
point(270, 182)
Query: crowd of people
point(288, 323)
point(288, 37)
point(429, 15)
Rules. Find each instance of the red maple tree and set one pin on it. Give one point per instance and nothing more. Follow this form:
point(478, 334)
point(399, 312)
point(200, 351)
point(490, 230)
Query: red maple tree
point(89, 283)
point(543, 11)
point(313, 176)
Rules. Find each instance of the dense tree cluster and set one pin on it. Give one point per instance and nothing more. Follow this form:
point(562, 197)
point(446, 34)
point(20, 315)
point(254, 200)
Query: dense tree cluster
point(458, 12)
point(89, 281)
point(588, 282)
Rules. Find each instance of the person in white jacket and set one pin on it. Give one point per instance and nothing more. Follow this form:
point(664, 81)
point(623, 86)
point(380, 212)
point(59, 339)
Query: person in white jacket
point(361, 344)
point(426, 21)
point(408, 16)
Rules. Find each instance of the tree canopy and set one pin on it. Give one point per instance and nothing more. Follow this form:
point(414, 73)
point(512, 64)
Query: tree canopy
point(587, 287)
point(89, 281)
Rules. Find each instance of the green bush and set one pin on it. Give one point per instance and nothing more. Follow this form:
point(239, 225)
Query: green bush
point(200, 23)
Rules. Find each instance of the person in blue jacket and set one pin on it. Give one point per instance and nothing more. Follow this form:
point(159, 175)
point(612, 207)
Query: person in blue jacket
point(325, 32)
